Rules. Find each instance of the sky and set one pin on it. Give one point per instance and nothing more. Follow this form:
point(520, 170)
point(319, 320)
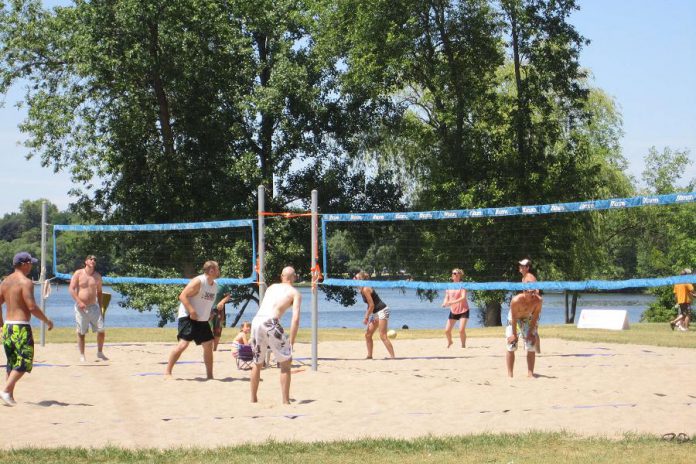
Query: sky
point(642, 53)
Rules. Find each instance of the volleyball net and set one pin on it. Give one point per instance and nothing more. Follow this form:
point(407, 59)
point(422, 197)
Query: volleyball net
point(591, 245)
point(160, 254)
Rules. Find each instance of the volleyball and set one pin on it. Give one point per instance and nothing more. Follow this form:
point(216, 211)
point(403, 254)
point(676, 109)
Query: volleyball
point(391, 333)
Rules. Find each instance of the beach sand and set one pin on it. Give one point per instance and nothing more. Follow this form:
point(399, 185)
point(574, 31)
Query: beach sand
point(589, 389)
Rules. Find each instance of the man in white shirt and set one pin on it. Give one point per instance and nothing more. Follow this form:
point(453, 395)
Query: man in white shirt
point(267, 333)
point(194, 312)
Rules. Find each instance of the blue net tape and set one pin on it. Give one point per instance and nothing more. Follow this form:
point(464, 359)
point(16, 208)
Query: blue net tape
point(592, 205)
point(584, 206)
point(162, 281)
point(517, 286)
point(155, 228)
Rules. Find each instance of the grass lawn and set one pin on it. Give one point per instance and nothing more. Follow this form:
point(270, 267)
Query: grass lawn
point(538, 448)
point(639, 334)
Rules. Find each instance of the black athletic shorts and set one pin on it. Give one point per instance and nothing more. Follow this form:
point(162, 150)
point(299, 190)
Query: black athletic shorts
point(456, 317)
point(194, 331)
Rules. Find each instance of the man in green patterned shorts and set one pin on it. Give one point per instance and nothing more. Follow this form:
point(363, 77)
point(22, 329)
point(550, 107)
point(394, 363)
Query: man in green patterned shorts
point(17, 291)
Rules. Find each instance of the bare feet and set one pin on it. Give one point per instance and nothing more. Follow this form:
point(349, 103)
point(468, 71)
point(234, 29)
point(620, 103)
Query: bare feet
point(449, 343)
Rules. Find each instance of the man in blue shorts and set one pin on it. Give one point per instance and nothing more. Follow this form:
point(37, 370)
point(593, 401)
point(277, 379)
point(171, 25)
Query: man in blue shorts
point(17, 291)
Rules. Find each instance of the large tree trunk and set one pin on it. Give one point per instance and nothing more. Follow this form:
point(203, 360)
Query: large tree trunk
point(160, 95)
point(521, 113)
point(492, 315)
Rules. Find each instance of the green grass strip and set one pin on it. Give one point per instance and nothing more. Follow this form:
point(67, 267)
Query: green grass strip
point(532, 447)
point(654, 334)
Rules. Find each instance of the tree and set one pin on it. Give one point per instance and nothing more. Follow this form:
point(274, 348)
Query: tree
point(467, 128)
point(173, 111)
point(21, 231)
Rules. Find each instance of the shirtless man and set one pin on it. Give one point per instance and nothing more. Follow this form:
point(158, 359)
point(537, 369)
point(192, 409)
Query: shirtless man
point(86, 290)
point(266, 331)
point(17, 291)
point(525, 309)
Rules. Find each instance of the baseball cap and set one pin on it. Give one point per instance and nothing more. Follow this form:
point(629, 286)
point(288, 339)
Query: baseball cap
point(686, 271)
point(23, 257)
point(525, 262)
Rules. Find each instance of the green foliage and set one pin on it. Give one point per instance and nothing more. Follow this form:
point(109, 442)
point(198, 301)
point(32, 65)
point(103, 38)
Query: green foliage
point(21, 231)
point(164, 299)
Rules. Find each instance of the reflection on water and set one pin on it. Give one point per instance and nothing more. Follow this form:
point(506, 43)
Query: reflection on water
point(407, 309)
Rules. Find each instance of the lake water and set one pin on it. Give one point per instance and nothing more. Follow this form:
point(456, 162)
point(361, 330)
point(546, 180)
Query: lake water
point(406, 307)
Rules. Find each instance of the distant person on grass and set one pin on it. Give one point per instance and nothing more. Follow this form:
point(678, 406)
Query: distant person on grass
point(684, 293)
point(86, 289)
point(523, 319)
point(267, 333)
point(376, 317)
point(17, 291)
point(194, 313)
point(455, 300)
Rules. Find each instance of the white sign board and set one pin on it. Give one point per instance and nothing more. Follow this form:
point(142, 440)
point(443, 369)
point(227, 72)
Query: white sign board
point(611, 319)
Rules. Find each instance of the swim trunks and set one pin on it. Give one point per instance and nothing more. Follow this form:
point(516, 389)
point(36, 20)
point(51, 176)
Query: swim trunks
point(217, 322)
point(523, 331)
point(684, 309)
point(268, 334)
point(194, 331)
point(19, 346)
point(90, 317)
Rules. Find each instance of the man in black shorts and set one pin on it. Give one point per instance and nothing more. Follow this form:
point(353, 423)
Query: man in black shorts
point(194, 312)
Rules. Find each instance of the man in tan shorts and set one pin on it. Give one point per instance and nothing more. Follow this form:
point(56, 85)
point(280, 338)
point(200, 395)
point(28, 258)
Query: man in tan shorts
point(17, 291)
point(267, 333)
point(523, 319)
point(86, 290)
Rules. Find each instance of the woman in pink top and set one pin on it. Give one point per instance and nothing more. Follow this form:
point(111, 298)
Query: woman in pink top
point(455, 299)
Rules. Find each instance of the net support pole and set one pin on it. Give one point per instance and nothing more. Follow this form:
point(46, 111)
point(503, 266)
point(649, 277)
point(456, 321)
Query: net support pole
point(42, 275)
point(262, 242)
point(315, 300)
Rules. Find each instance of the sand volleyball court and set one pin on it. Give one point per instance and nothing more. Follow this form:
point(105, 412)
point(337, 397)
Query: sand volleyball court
point(584, 388)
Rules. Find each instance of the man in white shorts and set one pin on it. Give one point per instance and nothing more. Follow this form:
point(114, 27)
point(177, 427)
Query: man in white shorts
point(86, 290)
point(267, 333)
